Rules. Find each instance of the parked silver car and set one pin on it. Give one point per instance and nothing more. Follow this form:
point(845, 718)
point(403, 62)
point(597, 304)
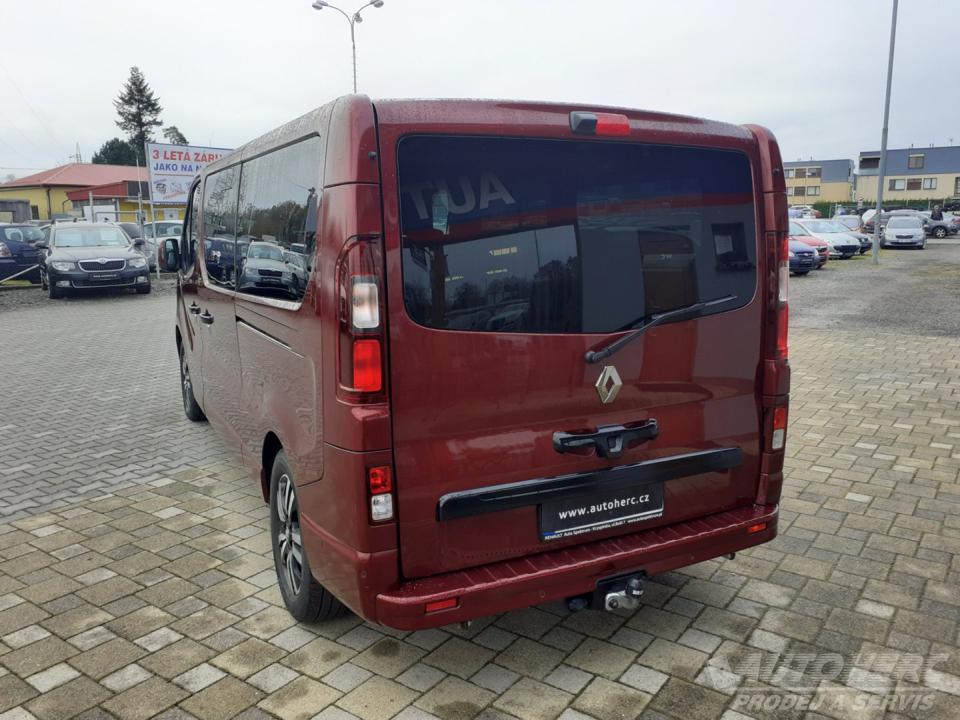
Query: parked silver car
point(842, 244)
point(904, 231)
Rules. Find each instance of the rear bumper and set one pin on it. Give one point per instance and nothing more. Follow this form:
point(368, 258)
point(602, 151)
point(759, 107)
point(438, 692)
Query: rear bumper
point(555, 575)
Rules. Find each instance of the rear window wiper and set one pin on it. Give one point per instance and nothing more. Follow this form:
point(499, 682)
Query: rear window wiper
point(644, 323)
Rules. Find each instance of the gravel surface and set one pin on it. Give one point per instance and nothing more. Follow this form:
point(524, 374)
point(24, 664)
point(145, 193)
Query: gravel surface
point(906, 294)
point(12, 298)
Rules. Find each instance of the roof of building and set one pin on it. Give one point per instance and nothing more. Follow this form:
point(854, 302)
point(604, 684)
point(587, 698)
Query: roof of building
point(122, 189)
point(830, 170)
point(936, 160)
point(79, 175)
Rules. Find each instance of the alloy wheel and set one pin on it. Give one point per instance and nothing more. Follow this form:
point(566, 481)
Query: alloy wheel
point(289, 542)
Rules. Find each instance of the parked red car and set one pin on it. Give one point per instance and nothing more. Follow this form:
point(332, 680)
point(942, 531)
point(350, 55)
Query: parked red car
point(821, 246)
point(499, 371)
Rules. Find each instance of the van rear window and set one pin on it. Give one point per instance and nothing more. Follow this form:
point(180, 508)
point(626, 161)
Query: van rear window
point(560, 236)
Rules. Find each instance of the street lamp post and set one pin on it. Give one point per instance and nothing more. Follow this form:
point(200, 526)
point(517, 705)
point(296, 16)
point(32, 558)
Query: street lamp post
point(351, 20)
point(881, 171)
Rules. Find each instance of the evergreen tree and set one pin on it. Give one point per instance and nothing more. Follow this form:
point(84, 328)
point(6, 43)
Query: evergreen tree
point(115, 152)
point(174, 136)
point(139, 111)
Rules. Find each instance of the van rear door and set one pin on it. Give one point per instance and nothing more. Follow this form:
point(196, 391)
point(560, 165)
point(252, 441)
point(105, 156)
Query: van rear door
point(515, 256)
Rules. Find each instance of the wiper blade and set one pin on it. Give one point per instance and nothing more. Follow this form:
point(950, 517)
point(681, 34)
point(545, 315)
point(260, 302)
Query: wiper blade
point(648, 321)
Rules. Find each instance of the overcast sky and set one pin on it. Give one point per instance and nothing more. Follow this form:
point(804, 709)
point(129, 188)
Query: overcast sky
point(226, 72)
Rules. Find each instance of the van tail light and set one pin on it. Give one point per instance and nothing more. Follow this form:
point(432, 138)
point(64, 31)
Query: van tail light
point(778, 437)
point(360, 349)
point(5, 251)
point(776, 370)
point(601, 123)
point(783, 291)
point(380, 485)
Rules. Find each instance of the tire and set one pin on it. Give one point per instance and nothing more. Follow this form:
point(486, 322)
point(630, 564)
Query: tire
point(802, 272)
point(305, 598)
point(191, 408)
point(144, 290)
point(939, 232)
point(43, 281)
point(55, 293)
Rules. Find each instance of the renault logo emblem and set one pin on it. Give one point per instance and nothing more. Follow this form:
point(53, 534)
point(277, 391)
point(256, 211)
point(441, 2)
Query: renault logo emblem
point(608, 384)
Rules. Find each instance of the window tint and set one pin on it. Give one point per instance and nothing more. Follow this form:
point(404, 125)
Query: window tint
point(220, 225)
point(523, 235)
point(277, 226)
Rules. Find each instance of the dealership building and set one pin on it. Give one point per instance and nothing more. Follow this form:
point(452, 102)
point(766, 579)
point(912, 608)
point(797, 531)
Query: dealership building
point(923, 174)
point(819, 181)
point(66, 191)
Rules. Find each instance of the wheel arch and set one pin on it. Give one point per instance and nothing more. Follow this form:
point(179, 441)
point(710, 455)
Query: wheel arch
point(271, 446)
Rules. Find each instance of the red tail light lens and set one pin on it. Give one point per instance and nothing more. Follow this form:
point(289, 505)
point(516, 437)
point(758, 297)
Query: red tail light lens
point(381, 480)
point(366, 366)
point(613, 124)
point(591, 123)
point(759, 527)
point(5, 251)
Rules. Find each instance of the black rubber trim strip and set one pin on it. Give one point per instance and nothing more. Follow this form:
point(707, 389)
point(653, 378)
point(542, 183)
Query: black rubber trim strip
point(509, 496)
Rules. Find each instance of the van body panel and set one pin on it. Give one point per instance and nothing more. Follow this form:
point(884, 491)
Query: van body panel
point(352, 143)
point(557, 575)
point(485, 407)
point(347, 211)
point(349, 556)
point(280, 386)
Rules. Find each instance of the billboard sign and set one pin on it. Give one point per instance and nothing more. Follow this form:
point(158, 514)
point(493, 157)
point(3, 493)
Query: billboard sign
point(173, 167)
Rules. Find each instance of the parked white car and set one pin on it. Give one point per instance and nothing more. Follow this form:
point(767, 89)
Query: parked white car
point(842, 244)
point(904, 231)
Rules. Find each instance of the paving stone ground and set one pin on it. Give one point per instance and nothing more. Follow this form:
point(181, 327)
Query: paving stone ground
point(136, 579)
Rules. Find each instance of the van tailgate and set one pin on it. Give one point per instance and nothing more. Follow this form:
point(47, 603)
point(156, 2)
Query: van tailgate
point(517, 256)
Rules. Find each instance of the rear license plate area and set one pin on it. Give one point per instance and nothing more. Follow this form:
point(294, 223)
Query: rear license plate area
point(600, 511)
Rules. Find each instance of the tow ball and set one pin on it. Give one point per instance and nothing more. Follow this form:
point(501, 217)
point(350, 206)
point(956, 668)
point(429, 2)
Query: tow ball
point(626, 597)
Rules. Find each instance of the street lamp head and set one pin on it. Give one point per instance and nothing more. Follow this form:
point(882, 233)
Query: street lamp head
point(377, 3)
point(320, 4)
point(357, 18)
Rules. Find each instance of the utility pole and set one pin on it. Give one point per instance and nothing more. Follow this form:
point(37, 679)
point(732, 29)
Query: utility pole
point(883, 138)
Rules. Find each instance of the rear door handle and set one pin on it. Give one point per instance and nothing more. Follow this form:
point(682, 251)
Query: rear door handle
point(609, 440)
point(194, 308)
point(206, 318)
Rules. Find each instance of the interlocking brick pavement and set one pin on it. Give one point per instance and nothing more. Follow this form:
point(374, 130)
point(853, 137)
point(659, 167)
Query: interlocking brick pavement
point(134, 580)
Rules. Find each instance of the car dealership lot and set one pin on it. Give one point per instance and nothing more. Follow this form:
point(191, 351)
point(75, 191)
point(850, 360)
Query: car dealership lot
point(136, 576)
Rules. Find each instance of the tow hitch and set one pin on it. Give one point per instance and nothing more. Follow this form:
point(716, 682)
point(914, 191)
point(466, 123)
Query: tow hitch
point(621, 593)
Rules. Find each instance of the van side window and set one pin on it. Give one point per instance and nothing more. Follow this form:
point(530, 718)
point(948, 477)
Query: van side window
point(220, 225)
point(278, 221)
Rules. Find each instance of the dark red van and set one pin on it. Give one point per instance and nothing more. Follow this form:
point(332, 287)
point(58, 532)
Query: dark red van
point(483, 355)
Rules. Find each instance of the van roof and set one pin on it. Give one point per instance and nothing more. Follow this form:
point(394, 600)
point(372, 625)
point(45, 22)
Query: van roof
point(477, 114)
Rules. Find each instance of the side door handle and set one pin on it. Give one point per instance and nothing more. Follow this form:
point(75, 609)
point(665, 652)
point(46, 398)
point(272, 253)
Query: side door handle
point(609, 441)
point(194, 308)
point(206, 318)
